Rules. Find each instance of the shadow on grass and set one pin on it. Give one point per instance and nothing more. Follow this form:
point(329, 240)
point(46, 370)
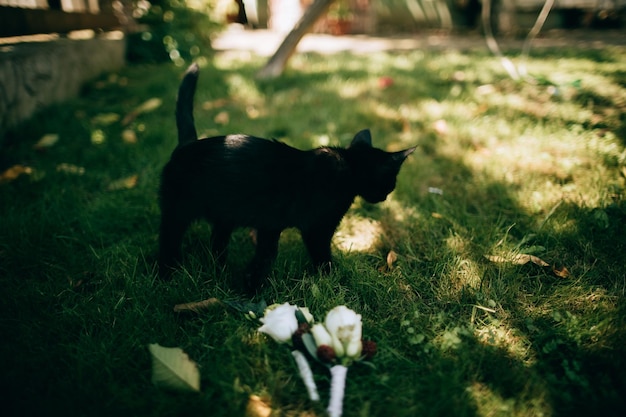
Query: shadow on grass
point(485, 338)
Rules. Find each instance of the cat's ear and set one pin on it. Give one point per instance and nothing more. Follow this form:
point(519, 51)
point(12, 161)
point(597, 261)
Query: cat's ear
point(400, 156)
point(363, 138)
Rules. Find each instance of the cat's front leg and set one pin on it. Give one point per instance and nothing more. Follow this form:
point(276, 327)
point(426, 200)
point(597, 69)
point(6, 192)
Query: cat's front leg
point(317, 241)
point(259, 267)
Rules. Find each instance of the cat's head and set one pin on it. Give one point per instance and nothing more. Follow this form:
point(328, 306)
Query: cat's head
point(374, 170)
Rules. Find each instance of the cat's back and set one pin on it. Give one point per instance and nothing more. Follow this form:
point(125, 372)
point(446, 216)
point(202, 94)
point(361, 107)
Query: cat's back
point(234, 147)
point(236, 159)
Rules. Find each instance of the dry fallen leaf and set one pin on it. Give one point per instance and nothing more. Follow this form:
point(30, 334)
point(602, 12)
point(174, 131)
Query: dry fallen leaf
point(214, 104)
point(560, 272)
point(46, 141)
point(145, 107)
point(15, 171)
point(70, 169)
point(149, 105)
point(123, 183)
point(257, 407)
point(252, 112)
point(391, 258)
point(222, 118)
point(129, 136)
point(520, 259)
point(105, 119)
point(197, 306)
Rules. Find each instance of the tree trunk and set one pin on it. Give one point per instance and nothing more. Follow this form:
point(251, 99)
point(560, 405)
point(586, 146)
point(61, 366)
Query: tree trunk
point(278, 61)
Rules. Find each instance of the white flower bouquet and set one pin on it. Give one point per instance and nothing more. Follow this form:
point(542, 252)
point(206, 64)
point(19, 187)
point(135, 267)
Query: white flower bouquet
point(337, 343)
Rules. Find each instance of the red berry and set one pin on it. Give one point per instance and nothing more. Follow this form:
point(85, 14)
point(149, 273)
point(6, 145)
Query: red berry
point(369, 349)
point(326, 353)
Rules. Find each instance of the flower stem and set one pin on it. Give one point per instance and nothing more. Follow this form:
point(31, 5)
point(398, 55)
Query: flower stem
point(337, 389)
point(306, 374)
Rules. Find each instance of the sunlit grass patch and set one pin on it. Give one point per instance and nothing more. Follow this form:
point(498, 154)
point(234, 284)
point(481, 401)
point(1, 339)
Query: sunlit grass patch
point(466, 322)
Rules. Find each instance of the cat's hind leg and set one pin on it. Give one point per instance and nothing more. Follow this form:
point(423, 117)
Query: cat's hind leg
point(220, 236)
point(266, 251)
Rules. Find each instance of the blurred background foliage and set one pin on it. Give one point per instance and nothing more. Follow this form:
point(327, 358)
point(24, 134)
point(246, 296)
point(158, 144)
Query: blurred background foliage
point(172, 30)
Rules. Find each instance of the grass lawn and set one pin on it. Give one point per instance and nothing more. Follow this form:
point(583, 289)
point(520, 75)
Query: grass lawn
point(466, 323)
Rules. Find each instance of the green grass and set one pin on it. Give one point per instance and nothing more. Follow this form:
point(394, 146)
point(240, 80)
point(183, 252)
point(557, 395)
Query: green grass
point(523, 169)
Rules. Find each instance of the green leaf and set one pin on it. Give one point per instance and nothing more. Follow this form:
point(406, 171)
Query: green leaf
point(367, 363)
point(309, 344)
point(300, 317)
point(172, 368)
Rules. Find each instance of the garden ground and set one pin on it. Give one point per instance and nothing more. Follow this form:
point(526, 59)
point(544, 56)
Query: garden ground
point(492, 279)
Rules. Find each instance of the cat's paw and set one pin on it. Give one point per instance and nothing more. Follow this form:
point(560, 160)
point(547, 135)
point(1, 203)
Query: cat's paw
point(325, 268)
point(252, 284)
point(166, 272)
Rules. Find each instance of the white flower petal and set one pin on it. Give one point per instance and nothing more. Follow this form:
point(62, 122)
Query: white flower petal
point(321, 335)
point(280, 322)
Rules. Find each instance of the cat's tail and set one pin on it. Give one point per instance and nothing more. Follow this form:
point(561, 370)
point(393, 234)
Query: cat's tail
point(184, 106)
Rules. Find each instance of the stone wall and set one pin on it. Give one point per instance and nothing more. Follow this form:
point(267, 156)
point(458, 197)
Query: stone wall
point(34, 75)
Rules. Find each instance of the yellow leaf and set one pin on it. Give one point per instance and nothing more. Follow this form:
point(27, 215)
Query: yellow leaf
point(145, 107)
point(222, 118)
point(391, 258)
point(496, 259)
point(46, 141)
point(15, 171)
point(149, 105)
point(215, 104)
point(70, 169)
point(123, 183)
point(105, 119)
point(98, 137)
point(520, 259)
point(129, 136)
point(561, 272)
point(257, 407)
point(388, 266)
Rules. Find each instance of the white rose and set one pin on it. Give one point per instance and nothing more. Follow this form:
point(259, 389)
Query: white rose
point(280, 322)
point(345, 329)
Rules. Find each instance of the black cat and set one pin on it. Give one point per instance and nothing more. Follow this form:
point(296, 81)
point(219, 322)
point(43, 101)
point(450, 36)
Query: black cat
point(244, 181)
